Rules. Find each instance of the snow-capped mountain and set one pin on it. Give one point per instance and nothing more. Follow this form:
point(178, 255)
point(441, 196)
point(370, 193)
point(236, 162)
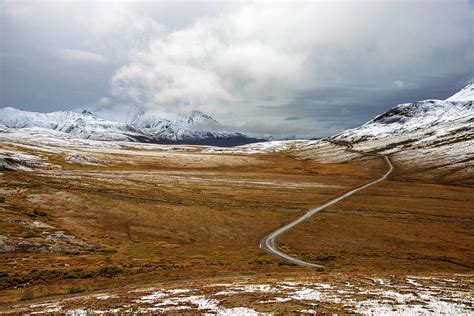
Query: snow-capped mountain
point(131, 125)
point(79, 125)
point(432, 138)
point(194, 127)
point(445, 116)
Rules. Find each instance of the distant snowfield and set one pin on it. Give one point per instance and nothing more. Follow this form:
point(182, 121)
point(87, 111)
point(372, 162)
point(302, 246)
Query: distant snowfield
point(409, 295)
point(258, 148)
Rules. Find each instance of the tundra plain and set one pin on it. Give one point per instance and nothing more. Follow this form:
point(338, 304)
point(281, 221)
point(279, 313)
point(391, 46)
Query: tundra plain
point(102, 220)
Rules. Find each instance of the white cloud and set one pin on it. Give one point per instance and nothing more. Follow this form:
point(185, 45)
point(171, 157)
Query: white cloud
point(18, 10)
point(253, 51)
point(217, 59)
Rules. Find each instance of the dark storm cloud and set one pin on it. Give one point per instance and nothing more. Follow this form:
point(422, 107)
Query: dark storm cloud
point(353, 105)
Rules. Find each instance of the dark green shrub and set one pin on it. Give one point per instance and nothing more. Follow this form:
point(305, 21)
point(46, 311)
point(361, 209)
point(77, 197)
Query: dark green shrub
point(75, 289)
point(28, 295)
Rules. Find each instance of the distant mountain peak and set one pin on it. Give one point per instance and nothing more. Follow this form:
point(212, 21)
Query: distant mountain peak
point(131, 124)
point(196, 116)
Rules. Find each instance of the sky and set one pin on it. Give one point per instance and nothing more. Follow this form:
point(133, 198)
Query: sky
point(307, 69)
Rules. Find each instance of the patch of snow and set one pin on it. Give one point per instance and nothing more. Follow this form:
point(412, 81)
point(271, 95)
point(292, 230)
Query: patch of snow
point(39, 224)
point(307, 294)
point(256, 148)
point(237, 311)
point(178, 291)
point(17, 161)
point(77, 312)
point(83, 160)
point(105, 297)
point(201, 302)
point(412, 281)
point(379, 281)
point(276, 300)
point(153, 297)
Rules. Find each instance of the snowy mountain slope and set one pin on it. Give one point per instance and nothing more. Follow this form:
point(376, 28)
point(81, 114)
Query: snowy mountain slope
point(431, 138)
point(131, 115)
point(79, 125)
point(199, 128)
point(194, 127)
point(466, 94)
point(131, 125)
point(422, 117)
point(412, 117)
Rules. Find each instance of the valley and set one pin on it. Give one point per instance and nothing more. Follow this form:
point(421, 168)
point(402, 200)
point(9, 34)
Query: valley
point(237, 158)
point(88, 224)
point(140, 216)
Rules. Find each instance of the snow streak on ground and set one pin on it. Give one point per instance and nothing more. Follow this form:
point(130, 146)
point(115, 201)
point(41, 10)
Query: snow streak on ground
point(256, 148)
point(410, 295)
point(16, 160)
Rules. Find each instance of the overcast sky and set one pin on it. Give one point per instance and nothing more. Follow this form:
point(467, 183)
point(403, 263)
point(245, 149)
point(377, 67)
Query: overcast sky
point(300, 68)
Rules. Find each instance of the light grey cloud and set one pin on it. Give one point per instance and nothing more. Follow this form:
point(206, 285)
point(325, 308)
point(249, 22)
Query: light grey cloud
point(81, 56)
point(269, 52)
point(61, 54)
point(332, 64)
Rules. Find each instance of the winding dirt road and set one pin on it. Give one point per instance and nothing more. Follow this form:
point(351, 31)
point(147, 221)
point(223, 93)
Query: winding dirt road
point(268, 244)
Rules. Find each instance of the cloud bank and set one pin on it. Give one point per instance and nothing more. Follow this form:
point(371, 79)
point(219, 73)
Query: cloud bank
point(305, 68)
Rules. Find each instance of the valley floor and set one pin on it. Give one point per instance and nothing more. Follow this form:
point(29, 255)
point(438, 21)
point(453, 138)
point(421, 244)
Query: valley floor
point(186, 222)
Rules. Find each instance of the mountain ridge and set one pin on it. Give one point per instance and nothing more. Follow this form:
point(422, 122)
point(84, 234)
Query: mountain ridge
point(430, 139)
point(194, 127)
point(198, 128)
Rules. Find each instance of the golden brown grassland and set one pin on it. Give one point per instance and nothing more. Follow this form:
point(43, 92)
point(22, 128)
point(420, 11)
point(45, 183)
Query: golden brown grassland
point(141, 219)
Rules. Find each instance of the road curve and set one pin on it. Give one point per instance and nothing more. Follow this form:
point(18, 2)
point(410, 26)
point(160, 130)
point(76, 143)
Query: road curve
point(268, 243)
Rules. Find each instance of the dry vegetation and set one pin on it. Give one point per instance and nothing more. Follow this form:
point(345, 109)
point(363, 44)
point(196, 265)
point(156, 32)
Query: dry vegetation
point(141, 217)
point(157, 217)
point(395, 227)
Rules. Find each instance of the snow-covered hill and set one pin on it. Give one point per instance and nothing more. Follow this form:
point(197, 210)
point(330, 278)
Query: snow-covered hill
point(131, 125)
point(432, 139)
point(453, 116)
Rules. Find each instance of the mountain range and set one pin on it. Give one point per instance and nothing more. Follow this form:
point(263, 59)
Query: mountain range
point(438, 121)
point(134, 124)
